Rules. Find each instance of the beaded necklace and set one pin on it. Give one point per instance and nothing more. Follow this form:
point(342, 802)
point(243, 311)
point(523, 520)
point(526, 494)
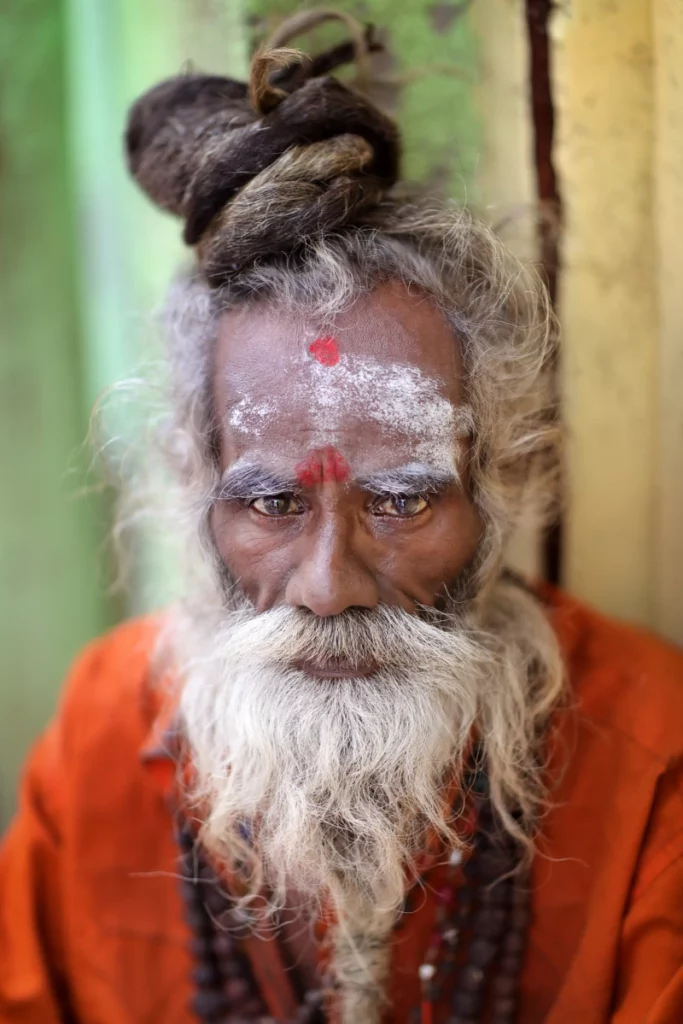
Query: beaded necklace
point(475, 952)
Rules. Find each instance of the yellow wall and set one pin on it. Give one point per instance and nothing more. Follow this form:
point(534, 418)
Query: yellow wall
point(619, 156)
point(668, 214)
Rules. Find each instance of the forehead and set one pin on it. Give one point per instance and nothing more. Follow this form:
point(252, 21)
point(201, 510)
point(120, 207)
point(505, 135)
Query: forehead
point(380, 373)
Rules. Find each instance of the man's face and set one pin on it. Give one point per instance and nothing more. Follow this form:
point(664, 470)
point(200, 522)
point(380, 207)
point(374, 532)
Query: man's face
point(343, 511)
point(343, 449)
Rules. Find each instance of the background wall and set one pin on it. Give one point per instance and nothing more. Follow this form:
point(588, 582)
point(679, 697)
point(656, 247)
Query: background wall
point(84, 261)
point(618, 90)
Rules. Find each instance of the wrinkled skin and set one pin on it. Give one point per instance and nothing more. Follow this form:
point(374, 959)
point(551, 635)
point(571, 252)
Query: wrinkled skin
point(332, 545)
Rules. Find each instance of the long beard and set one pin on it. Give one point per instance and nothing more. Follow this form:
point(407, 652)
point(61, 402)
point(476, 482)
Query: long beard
point(328, 786)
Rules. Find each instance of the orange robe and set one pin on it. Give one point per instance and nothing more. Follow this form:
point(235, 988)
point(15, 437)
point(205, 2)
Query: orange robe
point(91, 919)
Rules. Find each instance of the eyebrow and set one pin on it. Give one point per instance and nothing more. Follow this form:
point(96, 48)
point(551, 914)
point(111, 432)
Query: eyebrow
point(412, 478)
point(247, 480)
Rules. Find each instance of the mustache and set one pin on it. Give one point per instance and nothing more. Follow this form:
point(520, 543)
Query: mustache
point(388, 636)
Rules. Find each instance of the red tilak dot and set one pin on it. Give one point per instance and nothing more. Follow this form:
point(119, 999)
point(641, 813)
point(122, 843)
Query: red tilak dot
point(324, 465)
point(325, 350)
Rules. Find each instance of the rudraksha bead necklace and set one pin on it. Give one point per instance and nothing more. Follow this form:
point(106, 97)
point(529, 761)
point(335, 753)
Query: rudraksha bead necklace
point(472, 964)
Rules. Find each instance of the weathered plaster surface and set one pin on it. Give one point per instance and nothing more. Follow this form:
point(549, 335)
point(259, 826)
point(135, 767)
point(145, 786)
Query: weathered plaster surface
point(619, 155)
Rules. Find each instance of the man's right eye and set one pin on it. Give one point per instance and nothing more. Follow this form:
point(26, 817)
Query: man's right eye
point(277, 505)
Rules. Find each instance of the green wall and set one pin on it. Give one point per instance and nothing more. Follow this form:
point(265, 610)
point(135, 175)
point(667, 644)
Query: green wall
point(51, 599)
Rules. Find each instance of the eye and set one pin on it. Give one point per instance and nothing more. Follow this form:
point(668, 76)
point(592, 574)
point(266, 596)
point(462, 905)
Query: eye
point(403, 506)
point(274, 505)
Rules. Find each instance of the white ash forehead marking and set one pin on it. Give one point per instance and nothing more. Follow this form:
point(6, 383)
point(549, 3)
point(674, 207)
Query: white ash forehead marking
point(398, 396)
point(249, 417)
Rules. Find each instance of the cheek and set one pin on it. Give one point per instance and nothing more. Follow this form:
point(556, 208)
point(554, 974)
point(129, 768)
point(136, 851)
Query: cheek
point(259, 558)
point(462, 535)
point(421, 562)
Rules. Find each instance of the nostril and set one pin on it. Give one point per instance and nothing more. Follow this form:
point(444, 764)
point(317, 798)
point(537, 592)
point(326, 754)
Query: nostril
point(328, 598)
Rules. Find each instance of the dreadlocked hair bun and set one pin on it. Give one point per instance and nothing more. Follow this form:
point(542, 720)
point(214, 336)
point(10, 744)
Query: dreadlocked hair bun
point(258, 169)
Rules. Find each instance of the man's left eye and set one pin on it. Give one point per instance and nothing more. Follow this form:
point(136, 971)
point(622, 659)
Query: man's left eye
point(276, 505)
point(401, 505)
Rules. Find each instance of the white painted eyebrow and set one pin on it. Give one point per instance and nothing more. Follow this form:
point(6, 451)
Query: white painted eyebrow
point(249, 480)
point(412, 478)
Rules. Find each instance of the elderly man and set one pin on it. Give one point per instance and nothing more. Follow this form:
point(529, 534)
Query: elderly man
point(361, 773)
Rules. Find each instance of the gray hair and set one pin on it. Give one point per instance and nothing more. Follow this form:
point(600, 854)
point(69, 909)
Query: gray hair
point(499, 312)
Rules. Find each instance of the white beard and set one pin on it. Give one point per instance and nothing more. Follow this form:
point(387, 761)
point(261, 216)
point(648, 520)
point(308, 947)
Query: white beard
point(339, 778)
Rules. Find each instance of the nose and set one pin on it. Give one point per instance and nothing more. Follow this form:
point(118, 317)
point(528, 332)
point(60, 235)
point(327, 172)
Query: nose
point(331, 577)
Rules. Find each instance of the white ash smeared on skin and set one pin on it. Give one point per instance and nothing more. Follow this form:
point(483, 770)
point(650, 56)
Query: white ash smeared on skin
point(398, 396)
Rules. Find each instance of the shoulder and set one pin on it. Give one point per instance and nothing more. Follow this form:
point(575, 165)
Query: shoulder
point(622, 677)
point(108, 691)
point(90, 749)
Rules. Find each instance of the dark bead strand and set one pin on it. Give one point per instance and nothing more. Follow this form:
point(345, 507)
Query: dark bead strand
point(494, 920)
point(467, 996)
point(209, 1003)
point(224, 992)
point(505, 987)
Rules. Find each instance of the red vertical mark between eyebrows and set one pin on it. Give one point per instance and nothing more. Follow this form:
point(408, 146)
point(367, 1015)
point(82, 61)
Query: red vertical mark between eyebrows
point(325, 350)
point(322, 466)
